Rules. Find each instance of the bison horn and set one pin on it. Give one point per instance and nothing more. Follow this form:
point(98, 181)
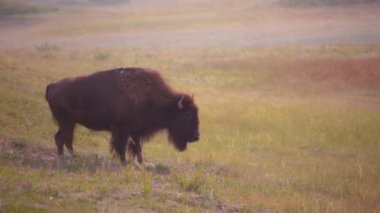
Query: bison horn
point(180, 102)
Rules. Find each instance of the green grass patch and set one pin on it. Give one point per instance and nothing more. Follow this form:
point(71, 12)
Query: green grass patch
point(16, 208)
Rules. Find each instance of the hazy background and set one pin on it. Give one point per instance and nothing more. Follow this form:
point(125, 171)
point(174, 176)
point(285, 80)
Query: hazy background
point(149, 24)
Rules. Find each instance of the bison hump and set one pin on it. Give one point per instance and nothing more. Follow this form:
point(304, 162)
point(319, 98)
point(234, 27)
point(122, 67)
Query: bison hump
point(141, 85)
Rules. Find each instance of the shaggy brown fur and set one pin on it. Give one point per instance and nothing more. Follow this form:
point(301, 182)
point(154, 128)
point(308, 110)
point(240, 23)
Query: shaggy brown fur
point(131, 103)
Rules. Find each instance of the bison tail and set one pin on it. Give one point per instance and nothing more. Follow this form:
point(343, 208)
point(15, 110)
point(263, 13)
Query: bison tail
point(48, 88)
point(118, 145)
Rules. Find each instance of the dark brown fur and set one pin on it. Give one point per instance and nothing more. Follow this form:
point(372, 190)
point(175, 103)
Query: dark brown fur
point(131, 103)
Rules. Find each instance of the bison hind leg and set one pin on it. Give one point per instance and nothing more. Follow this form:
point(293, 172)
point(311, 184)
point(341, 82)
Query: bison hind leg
point(135, 149)
point(119, 144)
point(66, 124)
point(64, 136)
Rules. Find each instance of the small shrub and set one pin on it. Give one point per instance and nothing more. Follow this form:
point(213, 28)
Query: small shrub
point(193, 184)
point(18, 144)
point(47, 47)
point(101, 56)
point(162, 169)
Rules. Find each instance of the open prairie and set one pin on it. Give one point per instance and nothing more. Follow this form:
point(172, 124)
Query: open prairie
point(289, 99)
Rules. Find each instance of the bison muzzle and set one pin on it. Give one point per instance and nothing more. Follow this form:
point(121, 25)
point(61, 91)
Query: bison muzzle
point(132, 103)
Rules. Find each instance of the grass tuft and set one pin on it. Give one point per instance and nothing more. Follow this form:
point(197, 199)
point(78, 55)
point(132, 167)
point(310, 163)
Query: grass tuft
point(18, 144)
point(102, 56)
point(46, 47)
point(147, 188)
point(193, 183)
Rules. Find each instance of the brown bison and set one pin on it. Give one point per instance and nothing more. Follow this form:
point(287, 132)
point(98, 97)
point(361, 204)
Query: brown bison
point(131, 103)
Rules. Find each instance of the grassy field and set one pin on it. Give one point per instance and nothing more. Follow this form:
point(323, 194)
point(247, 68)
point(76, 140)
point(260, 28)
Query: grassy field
point(287, 128)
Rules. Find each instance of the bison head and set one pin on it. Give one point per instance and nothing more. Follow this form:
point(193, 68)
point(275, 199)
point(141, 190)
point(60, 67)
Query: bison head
point(184, 123)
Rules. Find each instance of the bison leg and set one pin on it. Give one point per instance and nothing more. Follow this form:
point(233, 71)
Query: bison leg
point(64, 136)
point(119, 144)
point(135, 149)
point(69, 141)
point(59, 142)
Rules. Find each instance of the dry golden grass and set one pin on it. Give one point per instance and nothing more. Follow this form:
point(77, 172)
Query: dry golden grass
point(273, 135)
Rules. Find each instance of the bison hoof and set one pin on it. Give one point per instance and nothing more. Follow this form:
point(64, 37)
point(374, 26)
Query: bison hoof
point(125, 163)
point(136, 165)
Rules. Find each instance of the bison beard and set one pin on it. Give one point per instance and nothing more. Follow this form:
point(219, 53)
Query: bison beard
point(132, 103)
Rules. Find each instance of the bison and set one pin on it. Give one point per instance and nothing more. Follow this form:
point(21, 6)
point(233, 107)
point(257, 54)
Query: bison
point(131, 103)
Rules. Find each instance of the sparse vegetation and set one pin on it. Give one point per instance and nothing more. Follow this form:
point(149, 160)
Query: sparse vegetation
point(101, 56)
point(192, 183)
point(47, 47)
point(13, 208)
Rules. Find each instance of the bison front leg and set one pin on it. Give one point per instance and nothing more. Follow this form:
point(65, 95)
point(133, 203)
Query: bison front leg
point(135, 148)
point(119, 144)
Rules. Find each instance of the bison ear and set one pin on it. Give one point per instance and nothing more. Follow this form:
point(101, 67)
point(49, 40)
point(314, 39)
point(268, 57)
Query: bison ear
point(180, 103)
